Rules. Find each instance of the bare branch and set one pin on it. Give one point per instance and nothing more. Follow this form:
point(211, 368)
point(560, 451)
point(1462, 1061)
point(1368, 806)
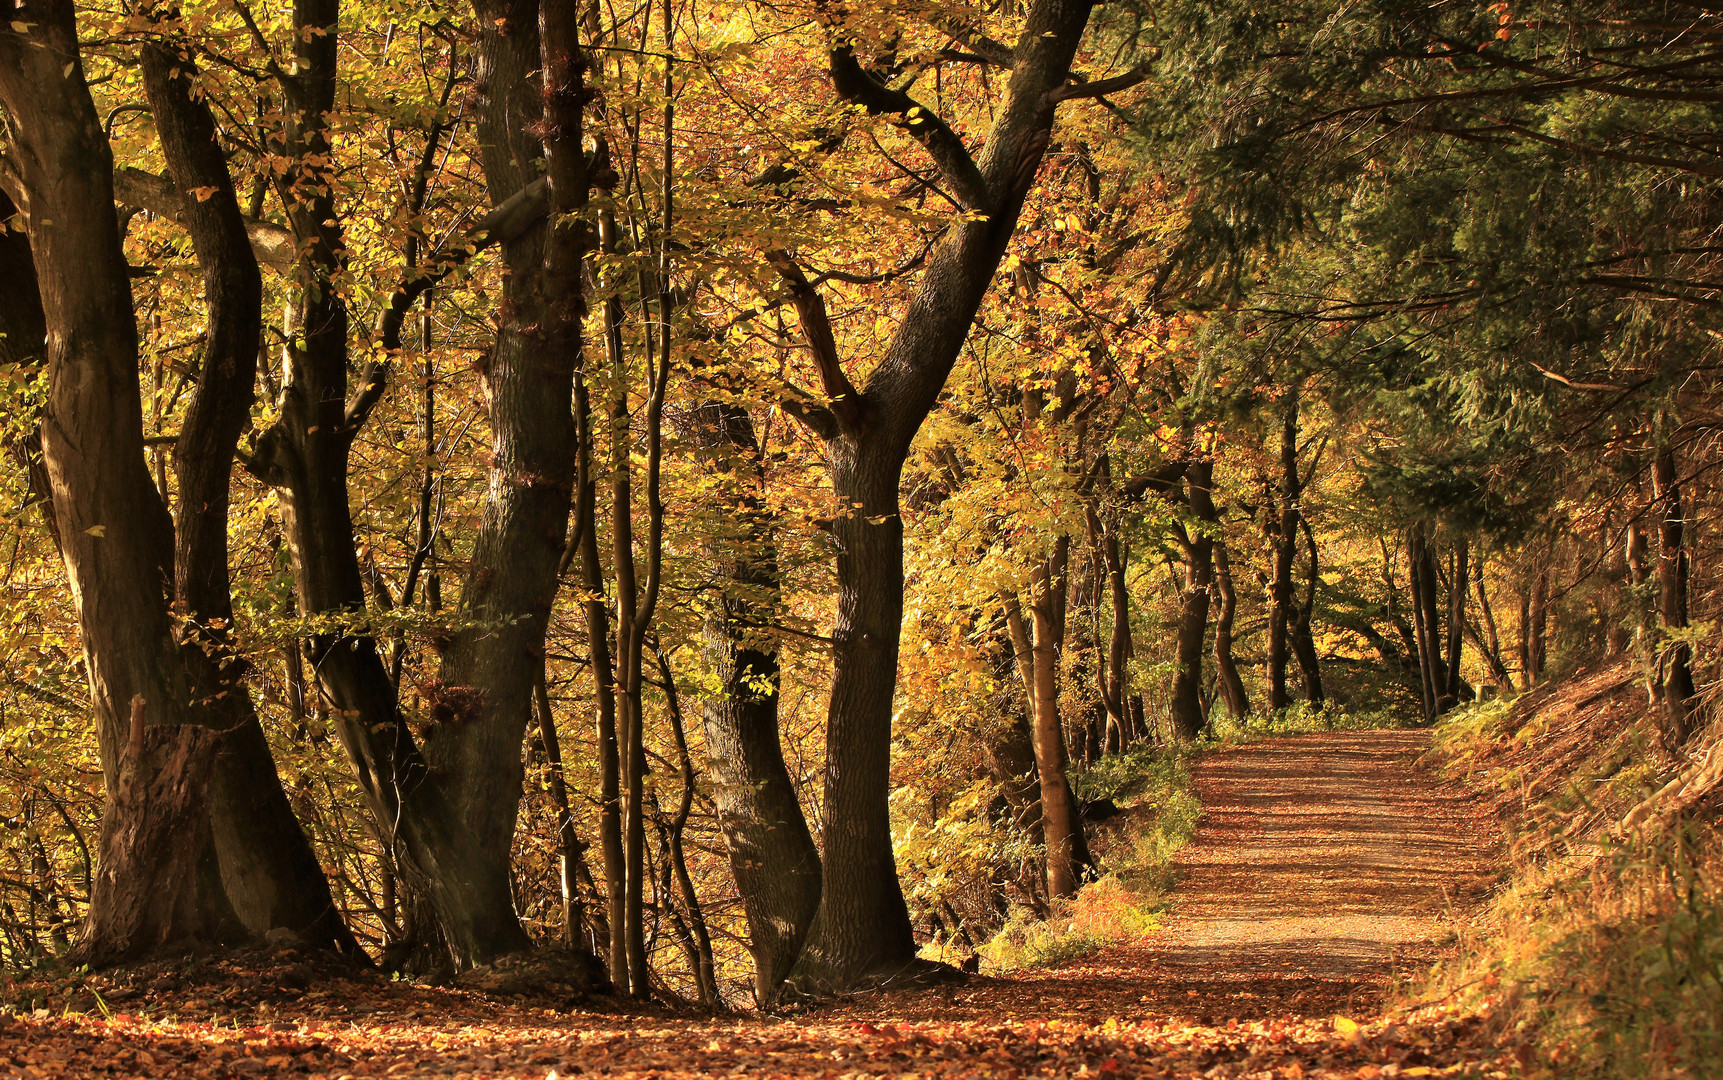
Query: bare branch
point(272, 244)
point(943, 144)
point(1077, 88)
point(846, 403)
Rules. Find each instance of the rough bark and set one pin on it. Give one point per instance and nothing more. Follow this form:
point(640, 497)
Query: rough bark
point(862, 932)
point(772, 854)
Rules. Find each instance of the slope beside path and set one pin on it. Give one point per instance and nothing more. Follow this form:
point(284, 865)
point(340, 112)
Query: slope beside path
point(1324, 868)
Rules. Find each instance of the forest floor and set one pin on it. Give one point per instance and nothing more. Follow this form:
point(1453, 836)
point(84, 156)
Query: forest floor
point(1323, 879)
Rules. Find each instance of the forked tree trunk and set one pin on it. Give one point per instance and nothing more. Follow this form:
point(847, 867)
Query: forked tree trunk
point(1188, 715)
point(269, 871)
point(862, 933)
point(151, 886)
point(305, 456)
point(1676, 660)
point(1226, 668)
point(772, 854)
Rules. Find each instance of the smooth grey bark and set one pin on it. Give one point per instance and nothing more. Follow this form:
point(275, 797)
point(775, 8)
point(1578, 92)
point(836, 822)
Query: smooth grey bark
point(153, 884)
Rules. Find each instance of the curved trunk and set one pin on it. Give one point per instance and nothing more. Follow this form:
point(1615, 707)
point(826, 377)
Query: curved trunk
point(1226, 668)
point(772, 854)
point(269, 871)
point(1188, 715)
point(861, 934)
point(152, 884)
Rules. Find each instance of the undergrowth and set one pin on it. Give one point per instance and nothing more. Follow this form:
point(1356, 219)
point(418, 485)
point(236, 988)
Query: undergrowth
point(1603, 954)
point(1134, 857)
point(1300, 718)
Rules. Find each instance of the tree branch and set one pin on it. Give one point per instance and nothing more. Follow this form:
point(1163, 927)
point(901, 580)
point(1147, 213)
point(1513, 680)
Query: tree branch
point(1077, 88)
point(944, 145)
point(272, 244)
point(846, 402)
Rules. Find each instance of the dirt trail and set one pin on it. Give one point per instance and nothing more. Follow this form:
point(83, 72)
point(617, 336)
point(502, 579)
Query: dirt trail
point(1323, 866)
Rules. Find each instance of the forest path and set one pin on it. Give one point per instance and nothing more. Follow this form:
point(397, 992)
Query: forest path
point(1323, 867)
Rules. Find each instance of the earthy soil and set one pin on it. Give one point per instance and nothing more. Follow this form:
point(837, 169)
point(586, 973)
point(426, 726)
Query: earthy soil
point(1326, 868)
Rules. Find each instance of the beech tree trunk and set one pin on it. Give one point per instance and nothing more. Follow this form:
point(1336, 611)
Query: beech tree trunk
point(1188, 714)
point(153, 884)
point(269, 871)
point(862, 933)
point(1226, 668)
point(305, 456)
point(772, 854)
point(533, 92)
point(1675, 662)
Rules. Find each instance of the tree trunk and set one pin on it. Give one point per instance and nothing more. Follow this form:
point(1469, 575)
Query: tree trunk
point(702, 961)
point(1284, 536)
point(1491, 644)
point(1421, 576)
point(862, 933)
point(1114, 686)
point(1226, 668)
point(1675, 662)
point(1637, 552)
point(489, 669)
point(772, 854)
point(1536, 621)
point(1037, 660)
point(305, 456)
point(150, 887)
point(269, 871)
point(1458, 589)
point(1188, 715)
point(1303, 639)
